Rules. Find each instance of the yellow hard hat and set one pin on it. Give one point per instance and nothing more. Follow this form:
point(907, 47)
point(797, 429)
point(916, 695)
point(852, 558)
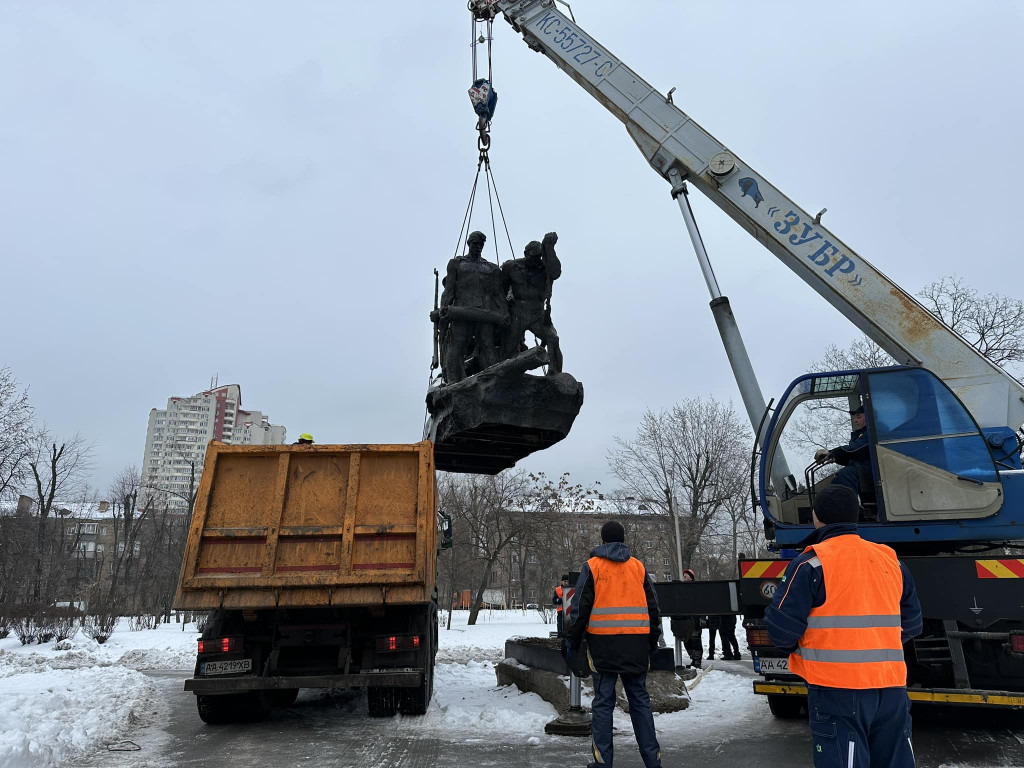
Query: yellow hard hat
point(306, 436)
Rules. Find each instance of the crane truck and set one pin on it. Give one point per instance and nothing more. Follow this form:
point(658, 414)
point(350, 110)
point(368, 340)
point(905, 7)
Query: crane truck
point(944, 488)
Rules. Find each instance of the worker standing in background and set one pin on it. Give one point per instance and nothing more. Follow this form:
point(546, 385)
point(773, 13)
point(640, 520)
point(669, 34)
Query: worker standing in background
point(730, 646)
point(557, 600)
point(616, 606)
point(688, 630)
point(844, 609)
point(714, 624)
point(304, 439)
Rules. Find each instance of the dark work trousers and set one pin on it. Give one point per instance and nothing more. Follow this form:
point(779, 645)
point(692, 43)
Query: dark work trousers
point(711, 642)
point(730, 647)
point(860, 728)
point(695, 648)
point(559, 619)
point(847, 476)
point(635, 687)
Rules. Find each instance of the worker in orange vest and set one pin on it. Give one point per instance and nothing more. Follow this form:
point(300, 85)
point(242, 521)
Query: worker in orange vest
point(616, 607)
point(557, 601)
point(844, 609)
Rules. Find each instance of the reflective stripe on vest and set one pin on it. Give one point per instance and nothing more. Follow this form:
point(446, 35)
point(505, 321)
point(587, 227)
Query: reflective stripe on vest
point(558, 591)
point(853, 640)
point(620, 603)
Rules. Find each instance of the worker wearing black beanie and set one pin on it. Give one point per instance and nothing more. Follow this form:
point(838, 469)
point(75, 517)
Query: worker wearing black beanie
point(844, 610)
point(835, 504)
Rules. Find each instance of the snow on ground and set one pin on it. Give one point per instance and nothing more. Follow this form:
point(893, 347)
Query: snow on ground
point(466, 691)
point(57, 705)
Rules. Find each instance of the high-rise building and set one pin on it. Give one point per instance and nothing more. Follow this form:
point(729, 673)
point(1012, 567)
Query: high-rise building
point(177, 436)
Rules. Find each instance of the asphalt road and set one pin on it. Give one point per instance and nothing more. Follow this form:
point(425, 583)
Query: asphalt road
point(332, 730)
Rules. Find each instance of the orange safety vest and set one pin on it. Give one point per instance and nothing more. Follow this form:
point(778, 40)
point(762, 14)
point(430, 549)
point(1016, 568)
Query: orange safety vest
point(853, 639)
point(620, 603)
point(558, 591)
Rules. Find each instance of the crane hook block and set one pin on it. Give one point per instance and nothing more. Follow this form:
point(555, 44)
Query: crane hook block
point(484, 99)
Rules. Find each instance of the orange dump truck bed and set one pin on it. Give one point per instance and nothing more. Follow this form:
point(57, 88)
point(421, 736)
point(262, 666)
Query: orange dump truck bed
point(311, 525)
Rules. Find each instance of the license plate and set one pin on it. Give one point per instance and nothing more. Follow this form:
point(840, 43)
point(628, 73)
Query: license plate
point(232, 667)
point(768, 666)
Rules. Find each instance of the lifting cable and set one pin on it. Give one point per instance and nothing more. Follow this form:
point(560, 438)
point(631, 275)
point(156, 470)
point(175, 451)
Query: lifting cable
point(484, 100)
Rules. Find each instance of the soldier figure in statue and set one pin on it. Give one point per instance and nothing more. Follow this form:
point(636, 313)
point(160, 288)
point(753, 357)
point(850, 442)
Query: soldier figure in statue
point(472, 311)
point(528, 280)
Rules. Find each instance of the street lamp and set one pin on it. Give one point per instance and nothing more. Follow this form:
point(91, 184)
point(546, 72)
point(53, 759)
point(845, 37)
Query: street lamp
point(675, 520)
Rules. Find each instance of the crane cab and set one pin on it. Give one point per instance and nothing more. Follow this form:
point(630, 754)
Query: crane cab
point(927, 468)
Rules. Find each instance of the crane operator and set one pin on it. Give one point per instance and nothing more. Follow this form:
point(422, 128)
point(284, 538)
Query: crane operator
point(851, 456)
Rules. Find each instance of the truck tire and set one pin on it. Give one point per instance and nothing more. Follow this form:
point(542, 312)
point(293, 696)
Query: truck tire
point(416, 700)
point(382, 701)
point(285, 697)
point(785, 707)
point(217, 710)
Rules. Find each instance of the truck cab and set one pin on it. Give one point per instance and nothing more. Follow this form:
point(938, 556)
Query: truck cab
point(930, 471)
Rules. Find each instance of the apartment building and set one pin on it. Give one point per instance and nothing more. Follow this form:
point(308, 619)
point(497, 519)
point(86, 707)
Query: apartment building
point(177, 436)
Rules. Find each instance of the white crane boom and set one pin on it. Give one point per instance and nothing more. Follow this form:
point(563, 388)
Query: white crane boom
point(676, 146)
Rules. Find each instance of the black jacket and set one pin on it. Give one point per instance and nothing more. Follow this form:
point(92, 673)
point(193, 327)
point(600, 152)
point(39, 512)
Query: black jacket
point(612, 653)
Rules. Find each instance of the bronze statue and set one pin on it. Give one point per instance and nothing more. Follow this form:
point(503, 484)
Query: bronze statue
point(473, 309)
point(528, 282)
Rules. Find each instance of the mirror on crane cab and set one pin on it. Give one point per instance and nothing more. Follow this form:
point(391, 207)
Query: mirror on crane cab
point(921, 456)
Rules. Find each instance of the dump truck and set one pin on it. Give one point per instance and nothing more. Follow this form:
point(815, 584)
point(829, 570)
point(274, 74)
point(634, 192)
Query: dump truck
point(318, 565)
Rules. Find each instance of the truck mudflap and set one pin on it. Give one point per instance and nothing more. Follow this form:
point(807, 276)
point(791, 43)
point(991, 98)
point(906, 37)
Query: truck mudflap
point(965, 697)
point(394, 678)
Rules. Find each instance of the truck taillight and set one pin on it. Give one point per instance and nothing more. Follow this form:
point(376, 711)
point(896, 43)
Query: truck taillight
point(398, 643)
point(220, 644)
point(758, 638)
point(1017, 642)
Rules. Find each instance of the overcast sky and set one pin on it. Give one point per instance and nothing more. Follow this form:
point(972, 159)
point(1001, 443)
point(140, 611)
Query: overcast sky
point(260, 190)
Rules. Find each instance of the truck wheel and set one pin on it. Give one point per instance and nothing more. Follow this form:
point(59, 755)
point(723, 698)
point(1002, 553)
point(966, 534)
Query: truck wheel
point(217, 710)
point(785, 707)
point(416, 700)
point(382, 701)
point(285, 697)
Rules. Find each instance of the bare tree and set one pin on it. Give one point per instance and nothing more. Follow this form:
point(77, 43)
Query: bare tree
point(15, 433)
point(490, 518)
point(59, 469)
point(689, 462)
point(992, 323)
point(127, 520)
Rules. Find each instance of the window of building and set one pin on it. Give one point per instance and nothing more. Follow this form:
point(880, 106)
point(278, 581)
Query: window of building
point(664, 560)
point(89, 527)
point(649, 544)
point(668, 577)
point(103, 530)
point(531, 559)
point(581, 526)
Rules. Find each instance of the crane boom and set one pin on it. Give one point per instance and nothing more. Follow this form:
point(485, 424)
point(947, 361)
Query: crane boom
point(676, 147)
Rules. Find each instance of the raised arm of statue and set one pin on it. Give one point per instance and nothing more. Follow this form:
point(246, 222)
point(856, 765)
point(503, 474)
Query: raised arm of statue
point(551, 262)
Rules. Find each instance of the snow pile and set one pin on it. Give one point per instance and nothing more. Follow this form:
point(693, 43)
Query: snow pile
point(56, 705)
point(467, 700)
point(48, 716)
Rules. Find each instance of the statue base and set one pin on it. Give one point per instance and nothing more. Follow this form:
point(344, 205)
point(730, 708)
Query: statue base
point(489, 421)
